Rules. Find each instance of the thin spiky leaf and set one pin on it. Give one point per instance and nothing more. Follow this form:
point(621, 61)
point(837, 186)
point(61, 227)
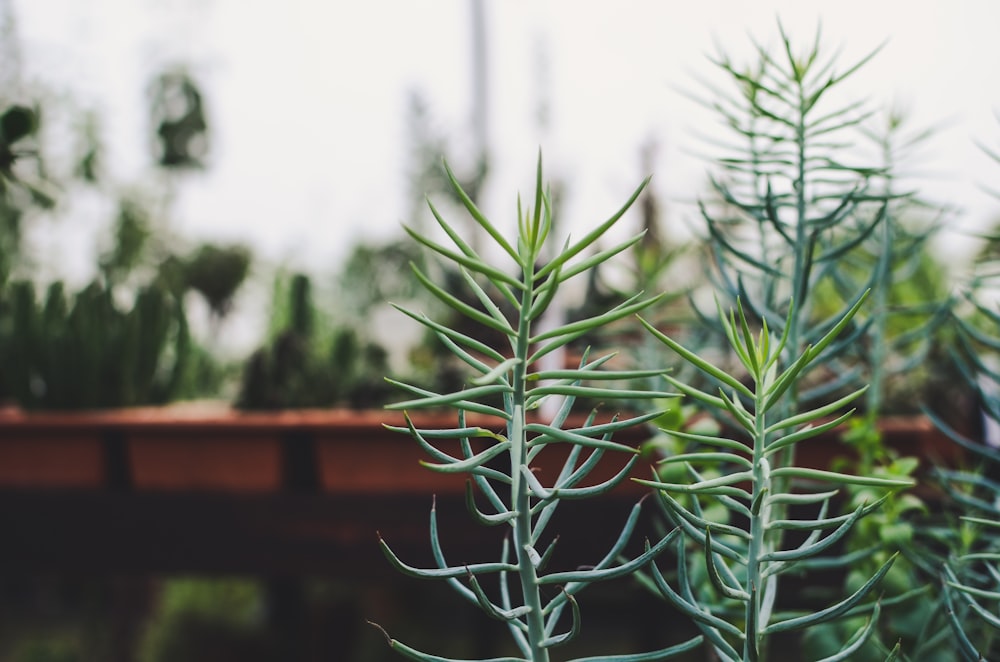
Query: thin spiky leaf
point(858, 640)
point(621, 570)
point(497, 373)
point(558, 640)
point(817, 413)
point(449, 299)
point(835, 611)
point(690, 609)
point(591, 237)
point(458, 337)
point(442, 573)
point(808, 432)
point(708, 458)
point(549, 434)
point(807, 550)
point(599, 488)
point(472, 264)
point(734, 593)
point(469, 464)
point(843, 479)
point(629, 307)
point(486, 519)
point(697, 361)
point(462, 399)
point(492, 610)
point(478, 215)
point(597, 258)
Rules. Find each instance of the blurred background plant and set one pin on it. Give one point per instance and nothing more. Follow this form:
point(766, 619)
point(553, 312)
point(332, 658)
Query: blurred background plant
point(124, 339)
point(791, 199)
point(962, 543)
point(207, 620)
point(807, 212)
point(903, 359)
point(311, 360)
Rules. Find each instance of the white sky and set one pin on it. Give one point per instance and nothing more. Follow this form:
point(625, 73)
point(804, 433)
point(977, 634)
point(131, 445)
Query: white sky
point(307, 99)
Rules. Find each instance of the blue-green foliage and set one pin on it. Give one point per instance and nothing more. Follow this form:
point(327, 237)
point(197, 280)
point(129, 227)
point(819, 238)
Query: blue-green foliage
point(539, 607)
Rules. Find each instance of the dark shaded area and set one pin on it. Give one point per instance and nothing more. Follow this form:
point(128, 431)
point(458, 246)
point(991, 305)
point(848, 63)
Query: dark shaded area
point(112, 548)
point(93, 572)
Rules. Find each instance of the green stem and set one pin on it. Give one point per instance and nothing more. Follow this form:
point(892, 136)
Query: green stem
point(803, 250)
point(800, 288)
point(520, 492)
point(752, 648)
point(872, 450)
point(761, 596)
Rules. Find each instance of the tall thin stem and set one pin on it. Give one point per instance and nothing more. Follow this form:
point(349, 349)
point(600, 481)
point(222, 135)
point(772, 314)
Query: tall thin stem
point(520, 493)
point(755, 614)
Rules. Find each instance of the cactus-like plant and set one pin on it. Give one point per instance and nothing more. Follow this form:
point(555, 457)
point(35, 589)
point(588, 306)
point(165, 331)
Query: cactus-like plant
point(738, 492)
point(508, 387)
point(91, 352)
point(793, 198)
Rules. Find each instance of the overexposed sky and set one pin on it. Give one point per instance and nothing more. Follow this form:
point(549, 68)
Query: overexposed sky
point(307, 99)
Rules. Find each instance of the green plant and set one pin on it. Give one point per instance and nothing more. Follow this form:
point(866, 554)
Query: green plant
point(735, 504)
point(971, 572)
point(299, 367)
point(809, 208)
point(910, 292)
point(198, 619)
point(528, 598)
point(179, 117)
point(905, 326)
point(89, 351)
point(793, 199)
point(20, 192)
point(121, 340)
point(968, 548)
point(286, 373)
point(216, 273)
